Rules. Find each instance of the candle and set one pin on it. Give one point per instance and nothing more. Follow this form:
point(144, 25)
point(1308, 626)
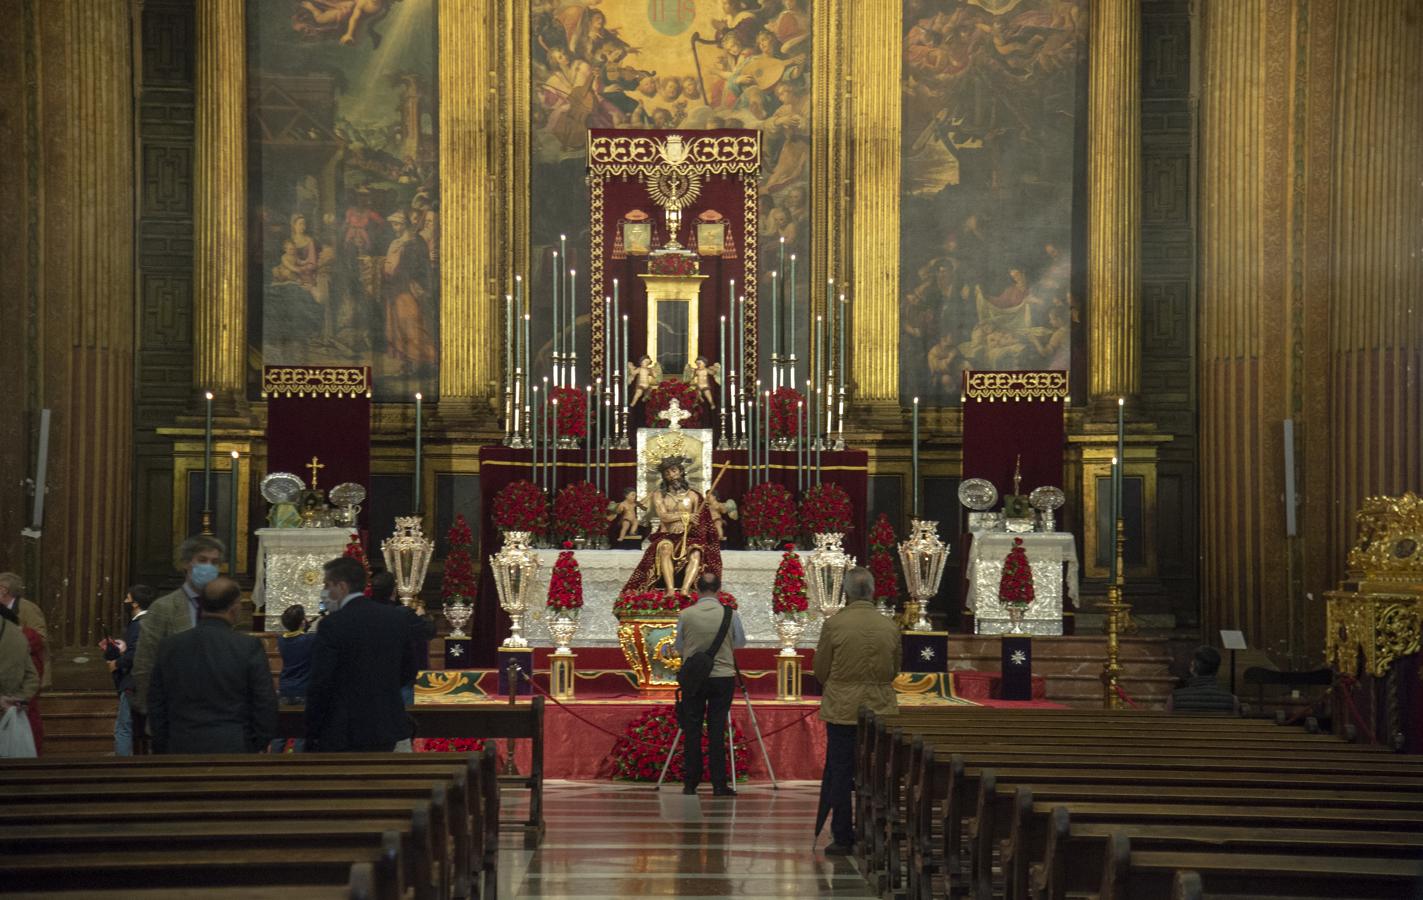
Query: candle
point(775, 334)
point(232, 519)
point(418, 438)
point(534, 433)
point(819, 397)
point(508, 346)
point(914, 458)
point(791, 305)
point(553, 447)
point(207, 455)
point(572, 329)
point(721, 382)
point(1121, 465)
point(528, 370)
point(766, 399)
point(1112, 541)
point(557, 308)
point(607, 343)
point(799, 444)
point(625, 349)
point(818, 367)
point(543, 431)
point(607, 449)
point(588, 449)
point(844, 319)
point(615, 365)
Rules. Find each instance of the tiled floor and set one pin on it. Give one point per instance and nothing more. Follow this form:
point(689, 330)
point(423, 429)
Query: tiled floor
point(618, 840)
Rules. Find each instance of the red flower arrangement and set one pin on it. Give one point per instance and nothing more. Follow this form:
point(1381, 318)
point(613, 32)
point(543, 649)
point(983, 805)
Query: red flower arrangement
point(565, 585)
point(882, 560)
point(661, 397)
point(636, 603)
point(449, 745)
point(673, 264)
point(521, 506)
point(458, 582)
point(784, 411)
point(1016, 585)
point(788, 593)
point(572, 420)
point(640, 752)
point(768, 513)
point(826, 508)
point(356, 551)
point(579, 509)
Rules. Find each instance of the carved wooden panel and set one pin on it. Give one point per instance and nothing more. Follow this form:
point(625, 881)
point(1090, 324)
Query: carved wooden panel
point(167, 180)
point(1165, 189)
point(1165, 50)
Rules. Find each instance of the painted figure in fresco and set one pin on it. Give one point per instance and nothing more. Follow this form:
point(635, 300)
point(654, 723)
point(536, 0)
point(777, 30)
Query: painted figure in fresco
point(342, 19)
point(407, 288)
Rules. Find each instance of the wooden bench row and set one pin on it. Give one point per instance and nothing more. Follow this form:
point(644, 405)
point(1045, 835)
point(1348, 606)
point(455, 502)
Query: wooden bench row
point(945, 792)
point(383, 826)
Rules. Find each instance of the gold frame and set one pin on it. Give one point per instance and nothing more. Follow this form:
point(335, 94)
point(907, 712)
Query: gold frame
point(1097, 463)
point(686, 288)
point(188, 447)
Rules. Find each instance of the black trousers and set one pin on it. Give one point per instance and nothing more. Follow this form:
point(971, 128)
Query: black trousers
point(713, 702)
point(839, 779)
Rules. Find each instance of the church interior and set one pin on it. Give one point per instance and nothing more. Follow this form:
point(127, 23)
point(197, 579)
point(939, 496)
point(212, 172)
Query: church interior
point(1071, 350)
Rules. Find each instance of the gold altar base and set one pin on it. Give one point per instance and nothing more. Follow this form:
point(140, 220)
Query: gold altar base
point(561, 675)
point(788, 677)
point(647, 644)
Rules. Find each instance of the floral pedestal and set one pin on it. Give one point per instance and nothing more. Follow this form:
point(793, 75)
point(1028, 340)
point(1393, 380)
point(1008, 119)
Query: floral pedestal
point(647, 642)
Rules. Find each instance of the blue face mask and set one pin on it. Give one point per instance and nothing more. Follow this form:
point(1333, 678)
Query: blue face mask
point(201, 574)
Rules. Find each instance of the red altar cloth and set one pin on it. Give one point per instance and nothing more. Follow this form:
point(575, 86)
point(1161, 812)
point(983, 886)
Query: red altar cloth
point(577, 743)
point(498, 466)
point(979, 687)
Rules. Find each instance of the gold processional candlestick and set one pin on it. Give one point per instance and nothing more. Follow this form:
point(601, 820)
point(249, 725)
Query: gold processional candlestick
point(1116, 610)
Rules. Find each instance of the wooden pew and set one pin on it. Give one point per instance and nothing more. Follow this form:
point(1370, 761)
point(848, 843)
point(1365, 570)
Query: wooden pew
point(360, 886)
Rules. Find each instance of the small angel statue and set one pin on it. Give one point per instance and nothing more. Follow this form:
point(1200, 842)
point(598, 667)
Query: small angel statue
point(704, 377)
point(642, 376)
point(628, 516)
point(719, 509)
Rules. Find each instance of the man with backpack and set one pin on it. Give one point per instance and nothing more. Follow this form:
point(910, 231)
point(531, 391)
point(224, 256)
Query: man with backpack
point(707, 632)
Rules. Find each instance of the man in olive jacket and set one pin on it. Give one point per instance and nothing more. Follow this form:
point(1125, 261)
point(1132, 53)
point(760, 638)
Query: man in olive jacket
point(856, 663)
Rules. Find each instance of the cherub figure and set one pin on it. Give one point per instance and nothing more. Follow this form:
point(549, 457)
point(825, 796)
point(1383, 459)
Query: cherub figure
point(642, 375)
point(704, 377)
point(628, 515)
point(719, 509)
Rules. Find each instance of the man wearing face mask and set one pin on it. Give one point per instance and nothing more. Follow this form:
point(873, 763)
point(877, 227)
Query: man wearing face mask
point(170, 614)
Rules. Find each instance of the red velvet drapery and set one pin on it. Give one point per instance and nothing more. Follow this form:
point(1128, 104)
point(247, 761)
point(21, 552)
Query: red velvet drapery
point(322, 412)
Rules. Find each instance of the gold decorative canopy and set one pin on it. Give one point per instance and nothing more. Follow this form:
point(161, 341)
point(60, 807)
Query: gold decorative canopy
point(1376, 615)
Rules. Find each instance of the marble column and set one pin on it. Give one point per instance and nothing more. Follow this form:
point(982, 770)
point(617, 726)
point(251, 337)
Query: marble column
point(874, 66)
point(79, 337)
point(1376, 333)
point(219, 203)
point(1114, 199)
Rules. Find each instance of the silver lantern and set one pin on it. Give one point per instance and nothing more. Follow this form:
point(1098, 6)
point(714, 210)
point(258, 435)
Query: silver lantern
point(923, 556)
point(826, 566)
point(515, 568)
point(407, 556)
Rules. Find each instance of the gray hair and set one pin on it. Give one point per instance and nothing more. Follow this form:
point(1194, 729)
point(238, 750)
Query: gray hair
point(197, 544)
point(12, 584)
point(859, 584)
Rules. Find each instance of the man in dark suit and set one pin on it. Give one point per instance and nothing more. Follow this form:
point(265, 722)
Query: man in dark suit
point(211, 689)
point(362, 656)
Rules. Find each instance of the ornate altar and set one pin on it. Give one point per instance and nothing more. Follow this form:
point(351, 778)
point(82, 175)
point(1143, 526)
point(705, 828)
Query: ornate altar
point(1374, 625)
point(1053, 560)
point(289, 562)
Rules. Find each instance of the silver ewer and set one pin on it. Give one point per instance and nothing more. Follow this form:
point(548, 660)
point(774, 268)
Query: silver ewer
point(562, 627)
point(515, 569)
point(923, 556)
point(458, 614)
point(407, 556)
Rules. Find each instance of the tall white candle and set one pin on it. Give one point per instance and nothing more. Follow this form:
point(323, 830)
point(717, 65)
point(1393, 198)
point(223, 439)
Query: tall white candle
point(799, 446)
point(572, 328)
point(914, 458)
point(791, 309)
point(588, 439)
point(207, 453)
point(721, 382)
point(535, 448)
point(553, 449)
point(557, 311)
point(419, 439)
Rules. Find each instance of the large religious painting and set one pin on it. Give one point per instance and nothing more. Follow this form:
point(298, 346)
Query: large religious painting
point(343, 215)
point(688, 65)
point(991, 118)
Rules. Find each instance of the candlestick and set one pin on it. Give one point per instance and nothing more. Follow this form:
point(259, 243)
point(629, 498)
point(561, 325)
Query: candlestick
point(623, 434)
point(914, 464)
point(534, 448)
point(232, 519)
point(775, 333)
point(1122, 457)
point(554, 449)
point(844, 319)
point(528, 366)
point(607, 450)
point(818, 367)
point(799, 445)
point(1112, 543)
point(588, 439)
point(419, 436)
point(818, 444)
point(557, 311)
point(572, 328)
point(792, 306)
point(543, 431)
point(766, 451)
point(207, 457)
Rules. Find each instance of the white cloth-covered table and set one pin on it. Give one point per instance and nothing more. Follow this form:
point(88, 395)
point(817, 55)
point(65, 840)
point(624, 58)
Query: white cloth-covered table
point(1052, 556)
point(289, 562)
point(748, 575)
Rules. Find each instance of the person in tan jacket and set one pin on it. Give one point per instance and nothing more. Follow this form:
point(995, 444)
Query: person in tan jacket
point(19, 682)
point(856, 663)
point(12, 587)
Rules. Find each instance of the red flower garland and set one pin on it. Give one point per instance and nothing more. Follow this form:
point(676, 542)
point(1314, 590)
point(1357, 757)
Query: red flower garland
point(356, 551)
point(1016, 585)
point(826, 508)
point(661, 397)
point(458, 582)
point(788, 594)
point(521, 506)
point(640, 752)
point(571, 414)
point(579, 509)
point(784, 411)
point(565, 585)
point(643, 602)
point(882, 560)
point(450, 745)
point(768, 512)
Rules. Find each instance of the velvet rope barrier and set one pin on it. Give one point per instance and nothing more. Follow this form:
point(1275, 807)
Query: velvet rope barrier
point(1346, 686)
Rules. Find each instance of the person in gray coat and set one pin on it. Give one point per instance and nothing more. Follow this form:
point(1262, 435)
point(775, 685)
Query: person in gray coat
point(211, 690)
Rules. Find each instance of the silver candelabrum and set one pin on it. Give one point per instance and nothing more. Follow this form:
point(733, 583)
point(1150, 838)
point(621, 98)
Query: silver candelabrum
point(515, 569)
point(407, 556)
point(923, 556)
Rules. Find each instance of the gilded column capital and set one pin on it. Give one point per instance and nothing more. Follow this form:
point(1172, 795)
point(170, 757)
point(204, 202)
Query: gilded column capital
point(1114, 198)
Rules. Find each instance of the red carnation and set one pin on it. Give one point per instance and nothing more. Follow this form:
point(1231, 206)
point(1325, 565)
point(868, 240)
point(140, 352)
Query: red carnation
point(521, 506)
point(1016, 585)
point(788, 595)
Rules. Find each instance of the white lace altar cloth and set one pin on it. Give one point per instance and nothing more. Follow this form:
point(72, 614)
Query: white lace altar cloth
point(748, 575)
point(1052, 557)
point(289, 562)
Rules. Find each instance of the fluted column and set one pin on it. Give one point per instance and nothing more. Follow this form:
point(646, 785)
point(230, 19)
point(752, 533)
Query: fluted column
point(874, 62)
point(83, 104)
point(1114, 198)
point(1376, 328)
point(219, 198)
point(470, 193)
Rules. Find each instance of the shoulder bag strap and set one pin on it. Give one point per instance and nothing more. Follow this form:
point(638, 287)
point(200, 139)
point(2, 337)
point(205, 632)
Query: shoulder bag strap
point(721, 632)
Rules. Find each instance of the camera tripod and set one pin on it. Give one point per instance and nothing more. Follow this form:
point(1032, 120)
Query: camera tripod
point(730, 738)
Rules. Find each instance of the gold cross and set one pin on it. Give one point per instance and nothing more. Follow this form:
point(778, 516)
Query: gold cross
point(314, 466)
